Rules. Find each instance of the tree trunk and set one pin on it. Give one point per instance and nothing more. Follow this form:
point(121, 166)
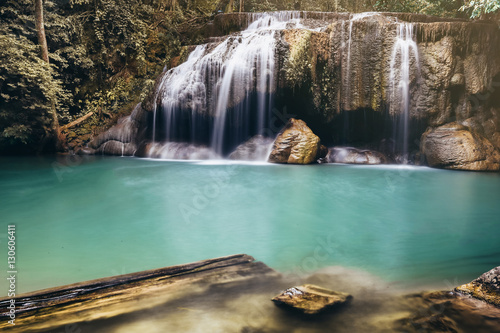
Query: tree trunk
point(76, 122)
point(230, 6)
point(42, 40)
point(242, 5)
point(40, 29)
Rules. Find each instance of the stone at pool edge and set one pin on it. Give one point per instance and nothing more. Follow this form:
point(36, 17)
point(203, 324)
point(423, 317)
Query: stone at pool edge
point(486, 287)
point(458, 147)
point(310, 299)
point(297, 144)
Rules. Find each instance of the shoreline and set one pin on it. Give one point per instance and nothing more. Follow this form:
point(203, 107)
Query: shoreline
point(210, 284)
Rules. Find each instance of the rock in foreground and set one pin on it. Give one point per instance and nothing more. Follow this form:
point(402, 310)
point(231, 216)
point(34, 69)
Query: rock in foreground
point(454, 146)
point(311, 299)
point(486, 287)
point(296, 144)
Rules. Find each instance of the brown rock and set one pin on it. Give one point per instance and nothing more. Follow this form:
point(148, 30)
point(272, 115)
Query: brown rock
point(486, 287)
point(296, 144)
point(453, 146)
point(311, 299)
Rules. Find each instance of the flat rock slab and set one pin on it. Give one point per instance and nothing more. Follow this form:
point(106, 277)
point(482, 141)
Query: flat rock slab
point(311, 299)
point(108, 298)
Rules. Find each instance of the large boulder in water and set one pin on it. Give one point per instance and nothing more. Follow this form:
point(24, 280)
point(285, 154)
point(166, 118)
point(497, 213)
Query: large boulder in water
point(350, 155)
point(454, 146)
point(255, 149)
point(486, 287)
point(296, 144)
point(311, 299)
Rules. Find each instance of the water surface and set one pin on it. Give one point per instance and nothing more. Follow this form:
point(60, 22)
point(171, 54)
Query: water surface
point(80, 219)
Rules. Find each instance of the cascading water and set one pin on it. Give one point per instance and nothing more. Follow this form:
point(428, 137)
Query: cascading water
point(404, 58)
point(222, 95)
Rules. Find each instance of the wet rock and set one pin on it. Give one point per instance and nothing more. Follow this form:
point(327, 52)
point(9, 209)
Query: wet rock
point(458, 80)
point(121, 139)
point(311, 299)
point(125, 131)
point(457, 147)
point(429, 323)
point(85, 151)
point(486, 287)
point(117, 148)
point(296, 144)
point(255, 149)
point(355, 156)
point(177, 151)
point(445, 311)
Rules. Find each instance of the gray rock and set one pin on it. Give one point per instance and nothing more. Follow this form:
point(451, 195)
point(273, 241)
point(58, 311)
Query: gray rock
point(350, 155)
point(117, 148)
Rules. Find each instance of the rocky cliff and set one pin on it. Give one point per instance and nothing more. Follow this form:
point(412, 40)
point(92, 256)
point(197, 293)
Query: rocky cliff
point(343, 86)
point(371, 80)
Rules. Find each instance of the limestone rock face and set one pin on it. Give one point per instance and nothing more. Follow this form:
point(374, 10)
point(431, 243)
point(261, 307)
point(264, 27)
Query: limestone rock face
point(454, 146)
point(355, 156)
point(296, 144)
point(486, 287)
point(311, 299)
point(341, 79)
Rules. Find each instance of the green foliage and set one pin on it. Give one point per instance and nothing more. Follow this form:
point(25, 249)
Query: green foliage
point(431, 7)
point(103, 54)
point(28, 92)
point(435, 7)
point(477, 8)
point(261, 6)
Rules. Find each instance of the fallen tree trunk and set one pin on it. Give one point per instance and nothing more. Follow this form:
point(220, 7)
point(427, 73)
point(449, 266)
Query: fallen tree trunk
point(103, 299)
point(78, 121)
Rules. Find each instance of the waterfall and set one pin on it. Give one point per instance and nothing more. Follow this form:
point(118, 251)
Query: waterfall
point(404, 58)
point(223, 94)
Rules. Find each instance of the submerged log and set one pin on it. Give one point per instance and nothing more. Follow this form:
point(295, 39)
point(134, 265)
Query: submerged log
point(114, 296)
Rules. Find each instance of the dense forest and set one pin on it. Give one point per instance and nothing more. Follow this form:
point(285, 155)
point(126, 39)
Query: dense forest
point(102, 56)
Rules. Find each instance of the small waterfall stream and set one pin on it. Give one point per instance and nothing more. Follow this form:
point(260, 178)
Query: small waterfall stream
point(404, 58)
